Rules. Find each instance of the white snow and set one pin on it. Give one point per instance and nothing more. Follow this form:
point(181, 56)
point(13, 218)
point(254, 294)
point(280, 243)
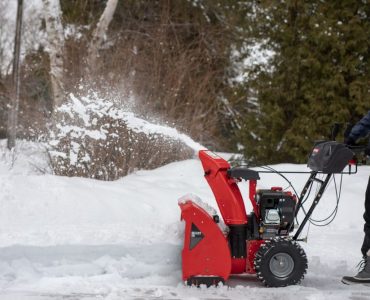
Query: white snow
point(29, 158)
point(195, 199)
point(74, 238)
point(84, 107)
point(258, 54)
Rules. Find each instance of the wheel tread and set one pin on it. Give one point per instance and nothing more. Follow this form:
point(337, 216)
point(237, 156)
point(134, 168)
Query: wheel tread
point(271, 245)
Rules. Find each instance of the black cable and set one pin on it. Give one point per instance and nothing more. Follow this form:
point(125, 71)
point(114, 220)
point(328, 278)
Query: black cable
point(323, 220)
point(286, 179)
point(307, 195)
point(312, 221)
point(333, 214)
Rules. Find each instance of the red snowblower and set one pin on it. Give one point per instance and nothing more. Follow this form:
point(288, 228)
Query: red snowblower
point(264, 242)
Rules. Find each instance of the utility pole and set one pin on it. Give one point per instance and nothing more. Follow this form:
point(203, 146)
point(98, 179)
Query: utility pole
point(13, 112)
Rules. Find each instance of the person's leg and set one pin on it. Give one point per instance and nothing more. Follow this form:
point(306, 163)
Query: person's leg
point(366, 244)
point(364, 275)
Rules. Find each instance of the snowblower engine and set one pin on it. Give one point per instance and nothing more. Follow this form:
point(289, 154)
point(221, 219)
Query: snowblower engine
point(277, 210)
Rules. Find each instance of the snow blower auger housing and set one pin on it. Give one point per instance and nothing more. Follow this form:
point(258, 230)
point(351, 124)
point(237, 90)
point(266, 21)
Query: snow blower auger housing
point(261, 242)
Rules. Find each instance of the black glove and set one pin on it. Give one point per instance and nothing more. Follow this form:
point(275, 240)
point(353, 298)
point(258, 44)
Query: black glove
point(367, 151)
point(349, 141)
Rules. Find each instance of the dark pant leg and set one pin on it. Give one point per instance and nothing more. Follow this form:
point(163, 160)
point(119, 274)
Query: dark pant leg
point(366, 245)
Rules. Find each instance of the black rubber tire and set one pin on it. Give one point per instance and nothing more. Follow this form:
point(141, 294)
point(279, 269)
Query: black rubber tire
point(286, 248)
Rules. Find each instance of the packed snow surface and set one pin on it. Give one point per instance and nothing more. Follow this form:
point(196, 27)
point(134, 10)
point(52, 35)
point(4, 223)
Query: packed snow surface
point(74, 238)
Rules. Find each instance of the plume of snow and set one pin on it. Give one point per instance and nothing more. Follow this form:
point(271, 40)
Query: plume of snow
point(86, 106)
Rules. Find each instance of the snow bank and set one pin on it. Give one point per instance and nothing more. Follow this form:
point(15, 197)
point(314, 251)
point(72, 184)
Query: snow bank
point(27, 158)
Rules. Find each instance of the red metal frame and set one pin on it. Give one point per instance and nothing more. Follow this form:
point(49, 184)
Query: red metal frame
point(225, 189)
point(252, 248)
point(252, 195)
point(212, 257)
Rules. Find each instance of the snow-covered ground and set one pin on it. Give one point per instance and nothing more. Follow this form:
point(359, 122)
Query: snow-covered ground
point(74, 238)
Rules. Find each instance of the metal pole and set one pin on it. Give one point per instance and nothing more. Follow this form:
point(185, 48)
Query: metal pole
point(13, 113)
point(304, 191)
point(315, 202)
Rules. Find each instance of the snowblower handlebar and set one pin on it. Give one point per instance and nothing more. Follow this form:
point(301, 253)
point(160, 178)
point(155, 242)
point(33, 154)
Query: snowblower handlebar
point(357, 150)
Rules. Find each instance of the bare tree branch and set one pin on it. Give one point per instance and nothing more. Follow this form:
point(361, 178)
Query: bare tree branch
point(99, 34)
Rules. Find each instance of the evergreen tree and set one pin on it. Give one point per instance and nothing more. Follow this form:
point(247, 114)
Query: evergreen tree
point(319, 75)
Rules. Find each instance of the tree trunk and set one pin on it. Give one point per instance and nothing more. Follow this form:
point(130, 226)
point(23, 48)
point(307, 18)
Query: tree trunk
point(99, 34)
point(13, 113)
point(55, 35)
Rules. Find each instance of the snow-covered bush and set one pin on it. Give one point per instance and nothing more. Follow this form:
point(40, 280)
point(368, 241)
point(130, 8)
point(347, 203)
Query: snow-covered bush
point(97, 138)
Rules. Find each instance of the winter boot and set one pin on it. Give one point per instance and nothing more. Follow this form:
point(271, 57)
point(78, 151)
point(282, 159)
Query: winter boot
point(363, 277)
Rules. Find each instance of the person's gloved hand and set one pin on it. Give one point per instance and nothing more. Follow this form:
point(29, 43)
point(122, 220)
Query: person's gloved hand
point(349, 141)
point(367, 151)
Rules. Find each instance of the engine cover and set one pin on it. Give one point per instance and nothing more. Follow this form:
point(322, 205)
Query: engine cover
point(277, 211)
point(329, 157)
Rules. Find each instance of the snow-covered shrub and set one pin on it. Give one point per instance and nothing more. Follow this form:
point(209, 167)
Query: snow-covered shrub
point(97, 138)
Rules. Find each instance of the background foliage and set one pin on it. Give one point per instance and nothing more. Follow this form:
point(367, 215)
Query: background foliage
point(319, 75)
point(189, 63)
